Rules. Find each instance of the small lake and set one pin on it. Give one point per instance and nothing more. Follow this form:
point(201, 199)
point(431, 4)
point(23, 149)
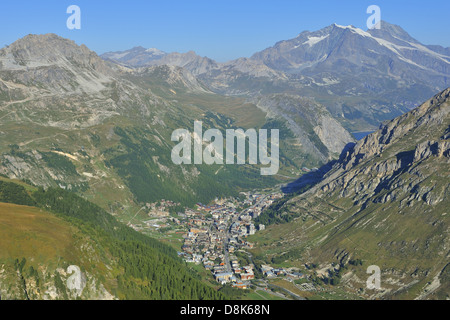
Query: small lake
point(361, 135)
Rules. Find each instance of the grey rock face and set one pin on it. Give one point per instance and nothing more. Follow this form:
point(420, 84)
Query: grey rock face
point(48, 74)
point(309, 121)
point(396, 157)
point(385, 201)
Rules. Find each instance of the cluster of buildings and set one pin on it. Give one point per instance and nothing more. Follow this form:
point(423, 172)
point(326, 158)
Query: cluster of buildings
point(270, 272)
point(212, 234)
point(259, 202)
point(206, 227)
point(239, 276)
point(242, 227)
point(216, 232)
point(202, 246)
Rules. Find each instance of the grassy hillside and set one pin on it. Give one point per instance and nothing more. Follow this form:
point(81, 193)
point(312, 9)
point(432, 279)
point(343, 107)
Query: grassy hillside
point(31, 232)
point(61, 229)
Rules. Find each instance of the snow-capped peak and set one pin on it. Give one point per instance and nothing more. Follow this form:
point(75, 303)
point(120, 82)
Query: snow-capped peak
point(155, 51)
point(314, 40)
point(353, 29)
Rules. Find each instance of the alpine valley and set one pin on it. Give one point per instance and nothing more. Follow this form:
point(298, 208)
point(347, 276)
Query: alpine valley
point(85, 165)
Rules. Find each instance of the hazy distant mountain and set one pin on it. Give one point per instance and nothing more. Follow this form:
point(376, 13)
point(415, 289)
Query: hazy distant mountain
point(135, 57)
point(141, 57)
point(175, 77)
point(362, 77)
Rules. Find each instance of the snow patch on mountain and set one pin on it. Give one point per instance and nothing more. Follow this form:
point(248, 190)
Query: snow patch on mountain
point(314, 40)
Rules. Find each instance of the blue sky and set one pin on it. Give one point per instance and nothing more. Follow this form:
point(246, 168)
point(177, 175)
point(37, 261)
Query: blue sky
point(221, 30)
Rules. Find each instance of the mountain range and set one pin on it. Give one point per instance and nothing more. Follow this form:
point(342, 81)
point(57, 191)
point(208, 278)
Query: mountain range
point(100, 127)
point(361, 77)
point(104, 129)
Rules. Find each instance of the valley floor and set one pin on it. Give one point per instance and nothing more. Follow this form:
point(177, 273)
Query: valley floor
point(214, 240)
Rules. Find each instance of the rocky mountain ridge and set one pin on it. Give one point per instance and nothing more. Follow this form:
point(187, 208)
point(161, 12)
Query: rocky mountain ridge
point(361, 77)
point(91, 122)
point(384, 202)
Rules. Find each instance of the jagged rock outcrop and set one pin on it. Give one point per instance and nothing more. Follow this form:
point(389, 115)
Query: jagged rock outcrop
point(385, 201)
point(398, 147)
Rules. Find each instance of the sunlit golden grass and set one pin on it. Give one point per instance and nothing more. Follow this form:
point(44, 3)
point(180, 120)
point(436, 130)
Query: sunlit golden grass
point(31, 233)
